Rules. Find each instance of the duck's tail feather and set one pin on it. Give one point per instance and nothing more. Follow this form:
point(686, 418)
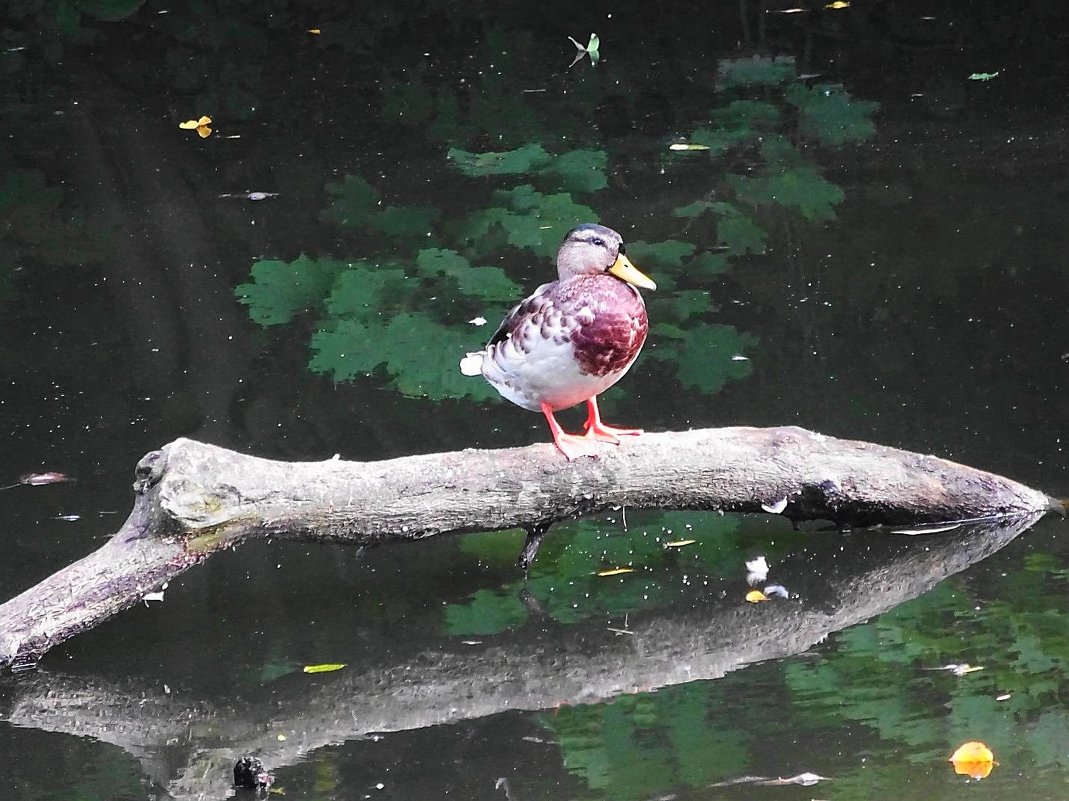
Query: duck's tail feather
point(472, 364)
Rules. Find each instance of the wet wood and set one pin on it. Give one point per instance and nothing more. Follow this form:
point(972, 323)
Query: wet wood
point(193, 499)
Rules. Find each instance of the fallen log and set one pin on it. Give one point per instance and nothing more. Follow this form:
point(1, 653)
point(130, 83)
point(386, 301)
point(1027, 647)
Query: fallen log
point(194, 499)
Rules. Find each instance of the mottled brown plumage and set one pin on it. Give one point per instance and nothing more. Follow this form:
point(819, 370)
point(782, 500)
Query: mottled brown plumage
point(573, 338)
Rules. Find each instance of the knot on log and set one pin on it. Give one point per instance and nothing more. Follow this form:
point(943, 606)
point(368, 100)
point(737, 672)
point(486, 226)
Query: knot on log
point(149, 471)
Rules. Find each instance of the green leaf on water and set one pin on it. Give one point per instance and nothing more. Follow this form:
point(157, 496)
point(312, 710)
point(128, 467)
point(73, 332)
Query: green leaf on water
point(703, 356)
point(830, 115)
point(741, 234)
point(666, 255)
point(366, 291)
point(687, 303)
point(565, 582)
point(574, 170)
point(524, 218)
point(418, 354)
point(719, 140)
point(732, 73)
point(405, 224)
point(708, 263)
point(801, 188)
point(280, 290)
point(356, 205)
point(747, 115)
point(485, 283)
point(354, 201)
point(579, 170)
point(486, 612)
point(529, 158)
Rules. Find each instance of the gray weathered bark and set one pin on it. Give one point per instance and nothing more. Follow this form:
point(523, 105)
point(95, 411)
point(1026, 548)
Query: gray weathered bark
point(194, 499)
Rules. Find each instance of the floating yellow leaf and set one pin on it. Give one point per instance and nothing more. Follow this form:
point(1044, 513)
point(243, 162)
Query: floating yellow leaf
point(617, 571)
point(201, 126)
point(838, 4)
point(316, 31)
point(755, 596)
point(329, 667)
point(973, 759)
point(679, 543)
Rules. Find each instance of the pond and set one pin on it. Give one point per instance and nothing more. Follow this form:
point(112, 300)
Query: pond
point(278, 227)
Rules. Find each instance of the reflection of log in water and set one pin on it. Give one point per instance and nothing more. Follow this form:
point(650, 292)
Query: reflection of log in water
point(195, 499)
point(189, 746)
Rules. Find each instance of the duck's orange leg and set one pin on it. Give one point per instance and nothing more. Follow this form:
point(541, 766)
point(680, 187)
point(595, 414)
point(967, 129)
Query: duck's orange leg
point(597, 430)
point(571, 445)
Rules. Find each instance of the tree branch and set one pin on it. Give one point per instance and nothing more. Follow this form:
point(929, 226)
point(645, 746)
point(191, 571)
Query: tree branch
point(193, 499)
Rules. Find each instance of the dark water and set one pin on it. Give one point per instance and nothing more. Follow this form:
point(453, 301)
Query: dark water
point(923, 307)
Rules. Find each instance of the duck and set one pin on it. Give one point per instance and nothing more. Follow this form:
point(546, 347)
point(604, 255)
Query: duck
point(572, 339)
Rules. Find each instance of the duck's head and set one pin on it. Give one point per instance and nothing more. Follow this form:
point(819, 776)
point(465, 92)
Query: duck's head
point(592, 249)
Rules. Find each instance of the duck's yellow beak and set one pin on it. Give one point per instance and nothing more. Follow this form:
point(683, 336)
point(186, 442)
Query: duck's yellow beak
point(626, 271)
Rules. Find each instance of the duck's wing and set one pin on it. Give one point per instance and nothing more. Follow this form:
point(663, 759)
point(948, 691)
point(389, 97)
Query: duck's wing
point(521, 313)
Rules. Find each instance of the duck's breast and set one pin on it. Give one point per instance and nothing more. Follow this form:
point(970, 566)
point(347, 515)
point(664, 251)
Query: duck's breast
point(569, 341)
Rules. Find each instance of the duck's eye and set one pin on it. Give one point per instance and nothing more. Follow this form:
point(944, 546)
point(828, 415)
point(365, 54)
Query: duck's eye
point(598, 241)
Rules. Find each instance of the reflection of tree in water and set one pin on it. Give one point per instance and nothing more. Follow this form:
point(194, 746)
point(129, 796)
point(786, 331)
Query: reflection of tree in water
point(378, 313)
point(534, 163)
point(190, 745)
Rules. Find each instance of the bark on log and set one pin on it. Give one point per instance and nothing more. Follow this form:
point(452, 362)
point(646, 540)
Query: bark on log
point(193, 499)
point(188, 745)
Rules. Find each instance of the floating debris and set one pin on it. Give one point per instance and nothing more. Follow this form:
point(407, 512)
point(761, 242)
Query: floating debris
point(327, 667)
point(803, 779)
point(777, 591)
point(591, 50)
point(984, 76)
point(756, 596)
point(777, 507)
point(958, 670)
point(616, 571)
point(756, 570)
point(250, 195)
point(201, 126)
point(973, 759)
point(687, 146)
point(40, 479)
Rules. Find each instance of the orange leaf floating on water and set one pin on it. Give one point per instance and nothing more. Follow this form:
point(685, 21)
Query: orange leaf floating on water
point(754, 596)
point(201, 126)
point(617, 571)
point(973, 759)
